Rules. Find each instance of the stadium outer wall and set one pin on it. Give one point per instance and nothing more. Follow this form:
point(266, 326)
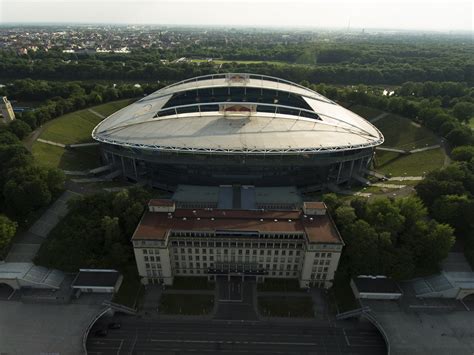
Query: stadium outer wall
point(168, 169)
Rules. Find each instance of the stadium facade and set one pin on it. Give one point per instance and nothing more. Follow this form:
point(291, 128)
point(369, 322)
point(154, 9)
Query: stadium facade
point(237, 129)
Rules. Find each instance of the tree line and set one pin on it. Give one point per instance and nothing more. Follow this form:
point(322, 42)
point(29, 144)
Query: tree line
point(25, 188)
point(59, 98)
point(389, 237)
point(98, 229)
point(345, 63)
point(445, 113)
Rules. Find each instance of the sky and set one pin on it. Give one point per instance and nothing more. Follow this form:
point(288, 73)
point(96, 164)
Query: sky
point(437, 15)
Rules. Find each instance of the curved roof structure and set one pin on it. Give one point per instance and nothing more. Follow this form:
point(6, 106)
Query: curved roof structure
point(237, 113)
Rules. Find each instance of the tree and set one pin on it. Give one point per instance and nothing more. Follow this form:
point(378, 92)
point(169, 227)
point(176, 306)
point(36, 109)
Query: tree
point(19, 128)
point(463, 111)
point(463, 153)
point(385, 216)
point(55, 180)
point(460, 136)
point(7, 231)
point(111, 230)
point(403, 265)
point(361, 248)
point(359, 204)
point(412, 209)
point(456, 210)
point(345, 215)
point(332, 201)
point(26, 191)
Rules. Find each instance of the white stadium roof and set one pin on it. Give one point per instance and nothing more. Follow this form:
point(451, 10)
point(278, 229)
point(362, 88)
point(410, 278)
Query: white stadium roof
point(250, 131)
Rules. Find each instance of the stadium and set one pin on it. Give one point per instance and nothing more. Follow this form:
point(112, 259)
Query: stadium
point(237, 129)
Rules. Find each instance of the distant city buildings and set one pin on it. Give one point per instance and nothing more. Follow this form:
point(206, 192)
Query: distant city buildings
point(6, 110)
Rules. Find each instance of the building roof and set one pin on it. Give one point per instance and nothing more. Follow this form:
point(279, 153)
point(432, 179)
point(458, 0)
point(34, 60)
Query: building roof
point(161, 202)
point(96, 278)
point(31, 275)
point(251, 196)
point(315, 205)
point(156, 225)
point(207, 126)
point(376, 284)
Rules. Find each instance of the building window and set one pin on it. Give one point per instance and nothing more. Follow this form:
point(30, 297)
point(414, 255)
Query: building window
point(145, 251)
point(145, 258)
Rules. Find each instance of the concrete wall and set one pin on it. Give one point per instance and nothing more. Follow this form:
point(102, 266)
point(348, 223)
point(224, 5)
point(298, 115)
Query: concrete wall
point(12, 283)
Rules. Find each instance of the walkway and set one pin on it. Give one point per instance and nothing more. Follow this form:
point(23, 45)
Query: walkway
point(96, 113)
point(27, 244)
point(406, 178)
point(51, 143)
point(379, 117)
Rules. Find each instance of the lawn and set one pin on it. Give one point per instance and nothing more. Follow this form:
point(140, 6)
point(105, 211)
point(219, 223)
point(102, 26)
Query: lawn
point(76, 127)
point(286, 306)
point(416, 164)
point(400, 132)
point(131, 287)
point(67, 159)
point(191, 283)
point(279, 285)
point(111, 107)
point(224, 61)
point(186, 304)
point(366, 112)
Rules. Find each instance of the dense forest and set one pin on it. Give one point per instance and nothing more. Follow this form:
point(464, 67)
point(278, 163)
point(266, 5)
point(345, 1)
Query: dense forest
point(340, 61)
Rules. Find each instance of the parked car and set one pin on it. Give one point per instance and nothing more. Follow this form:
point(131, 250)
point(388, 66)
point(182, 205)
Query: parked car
point(100, 333)
point(115, 325)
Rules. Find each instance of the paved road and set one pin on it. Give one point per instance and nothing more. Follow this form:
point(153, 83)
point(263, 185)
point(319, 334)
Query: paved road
point(140, 336)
